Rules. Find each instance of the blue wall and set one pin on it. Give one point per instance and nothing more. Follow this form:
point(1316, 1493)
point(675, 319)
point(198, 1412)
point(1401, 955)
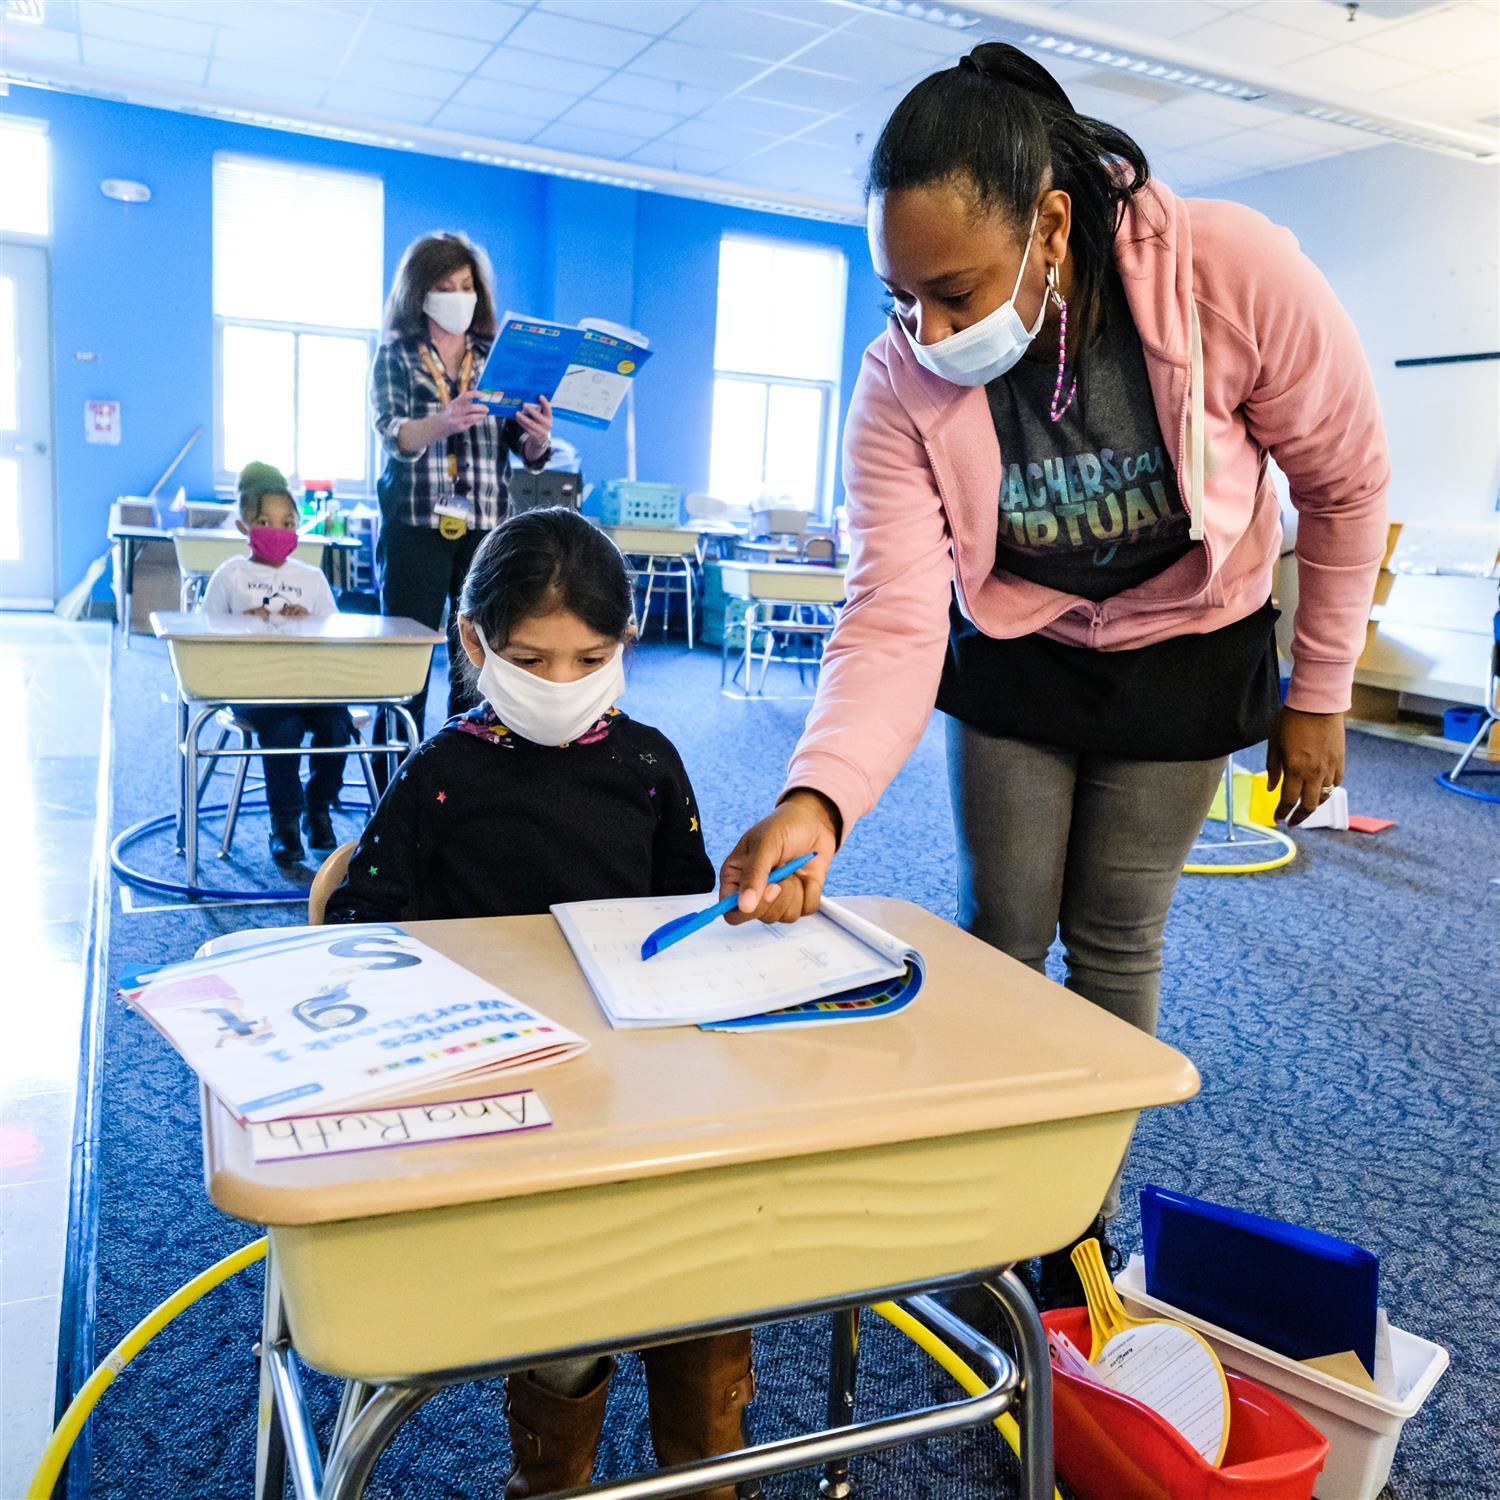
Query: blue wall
point(133, 286)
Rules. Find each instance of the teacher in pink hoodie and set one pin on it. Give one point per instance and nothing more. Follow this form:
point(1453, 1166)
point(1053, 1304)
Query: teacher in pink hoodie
point(1062, 529)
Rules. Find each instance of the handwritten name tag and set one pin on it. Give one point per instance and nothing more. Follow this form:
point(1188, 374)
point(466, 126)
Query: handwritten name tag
point(404, 1125)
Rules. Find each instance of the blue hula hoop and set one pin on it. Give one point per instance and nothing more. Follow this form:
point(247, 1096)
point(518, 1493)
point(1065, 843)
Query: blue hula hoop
point(138, 880)
point(1449, 785)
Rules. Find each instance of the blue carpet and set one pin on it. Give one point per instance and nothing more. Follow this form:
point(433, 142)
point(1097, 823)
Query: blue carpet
point(1342, 1013)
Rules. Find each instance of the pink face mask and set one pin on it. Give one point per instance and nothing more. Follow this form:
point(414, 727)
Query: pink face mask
point(272, 545)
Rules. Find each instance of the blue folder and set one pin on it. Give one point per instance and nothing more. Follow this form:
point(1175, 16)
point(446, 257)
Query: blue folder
point(1293, 1290)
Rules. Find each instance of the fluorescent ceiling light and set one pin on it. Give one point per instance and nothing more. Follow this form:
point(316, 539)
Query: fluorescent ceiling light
point(915, 10)
point(1352, 121)
point(32, 11)
point(1132, 63)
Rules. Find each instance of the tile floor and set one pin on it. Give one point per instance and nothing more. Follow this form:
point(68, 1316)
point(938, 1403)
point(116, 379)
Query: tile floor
point(52, 681)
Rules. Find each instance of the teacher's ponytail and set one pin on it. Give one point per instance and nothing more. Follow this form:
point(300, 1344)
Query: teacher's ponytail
point(1002, 127)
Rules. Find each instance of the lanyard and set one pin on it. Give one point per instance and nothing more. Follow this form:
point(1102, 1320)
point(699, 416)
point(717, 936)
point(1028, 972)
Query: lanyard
point(445, 395)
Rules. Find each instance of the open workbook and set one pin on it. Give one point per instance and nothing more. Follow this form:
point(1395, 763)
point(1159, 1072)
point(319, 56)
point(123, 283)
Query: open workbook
point(325, 1018)
point(829, 967)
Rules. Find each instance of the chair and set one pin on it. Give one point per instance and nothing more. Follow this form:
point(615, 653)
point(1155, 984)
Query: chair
point(704, 507)
point(329, 878)
point(228, 722)
point(1449, 780)
point(820, 549)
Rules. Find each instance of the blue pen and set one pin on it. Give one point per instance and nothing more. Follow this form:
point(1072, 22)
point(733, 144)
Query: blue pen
point(681, 927)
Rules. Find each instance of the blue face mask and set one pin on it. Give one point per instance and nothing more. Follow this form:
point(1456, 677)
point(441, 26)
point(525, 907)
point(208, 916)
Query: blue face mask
point(985, 350)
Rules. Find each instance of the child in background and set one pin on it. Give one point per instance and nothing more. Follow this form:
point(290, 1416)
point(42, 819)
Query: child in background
point(548, 793)
point(271, 583)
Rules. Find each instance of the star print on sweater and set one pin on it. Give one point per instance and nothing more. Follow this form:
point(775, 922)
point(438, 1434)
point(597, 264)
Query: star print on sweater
point(610, 816)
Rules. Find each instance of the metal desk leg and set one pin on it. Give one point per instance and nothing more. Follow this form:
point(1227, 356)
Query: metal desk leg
point(687, 585)
point(353, 1401)
point(126, 548)
point(270, 1442)
point(842, 1366)
point(353, 1461)
point(1037, 1474)
point(182, 795)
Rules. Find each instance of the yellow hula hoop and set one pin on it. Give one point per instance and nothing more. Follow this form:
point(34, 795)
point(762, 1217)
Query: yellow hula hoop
point(1287, 855)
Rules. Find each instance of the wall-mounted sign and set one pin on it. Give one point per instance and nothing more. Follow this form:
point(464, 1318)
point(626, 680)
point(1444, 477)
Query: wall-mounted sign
point(101, 422)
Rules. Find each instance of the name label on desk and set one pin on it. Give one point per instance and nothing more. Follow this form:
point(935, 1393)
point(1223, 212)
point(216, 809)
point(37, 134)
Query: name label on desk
point(400, 1125)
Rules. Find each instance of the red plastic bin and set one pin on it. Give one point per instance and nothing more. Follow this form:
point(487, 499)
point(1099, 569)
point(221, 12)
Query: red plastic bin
point(1110, 1447)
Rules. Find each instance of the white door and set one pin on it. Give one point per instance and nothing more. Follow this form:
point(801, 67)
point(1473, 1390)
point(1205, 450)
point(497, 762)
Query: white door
point(27, 570)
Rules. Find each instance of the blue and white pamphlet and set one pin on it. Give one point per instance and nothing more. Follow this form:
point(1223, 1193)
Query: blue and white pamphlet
point(316, 1019)
point(583, 372)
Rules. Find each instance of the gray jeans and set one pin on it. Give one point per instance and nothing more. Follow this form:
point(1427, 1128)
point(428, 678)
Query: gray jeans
point(1089, 846)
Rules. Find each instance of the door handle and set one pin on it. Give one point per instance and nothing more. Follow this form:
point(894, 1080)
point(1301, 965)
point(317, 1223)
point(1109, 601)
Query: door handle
point(39, 446)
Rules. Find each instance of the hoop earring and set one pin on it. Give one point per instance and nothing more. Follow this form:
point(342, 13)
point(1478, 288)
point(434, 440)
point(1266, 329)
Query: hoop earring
point(1057, 412)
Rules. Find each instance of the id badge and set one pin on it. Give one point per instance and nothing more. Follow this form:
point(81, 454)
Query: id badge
point(453, 520)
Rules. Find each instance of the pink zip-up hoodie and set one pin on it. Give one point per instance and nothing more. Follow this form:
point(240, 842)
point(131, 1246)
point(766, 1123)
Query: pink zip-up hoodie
point(1282, 374)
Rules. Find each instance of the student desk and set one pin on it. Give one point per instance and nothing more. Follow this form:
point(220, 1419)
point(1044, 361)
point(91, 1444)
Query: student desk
point(223, 660)
point(696, 1180)
point(760, 589)
point(670, 554)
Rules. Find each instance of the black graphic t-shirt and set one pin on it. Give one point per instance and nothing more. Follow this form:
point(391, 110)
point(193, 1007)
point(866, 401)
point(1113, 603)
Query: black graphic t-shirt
point(1089, 504)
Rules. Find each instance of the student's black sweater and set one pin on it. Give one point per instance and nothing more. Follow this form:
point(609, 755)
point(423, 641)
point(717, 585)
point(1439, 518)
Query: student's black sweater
point(481, 823)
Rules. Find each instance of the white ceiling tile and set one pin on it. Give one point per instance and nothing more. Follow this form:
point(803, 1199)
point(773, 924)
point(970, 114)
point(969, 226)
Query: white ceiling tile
point(1232, 114)
point(745, 32)
point(379, 104)
point(1251, 40)
point(707, 136)
point(483, 22)
point(740, 112)
point(852, 54)
point(808, 90)
point(429, 49)
point(491, 124)
point(1353, 70)
point(696, 65)
point(280, 85)
point(600, 114)
point(1150, 17)
point(513, 99)
point(145, 62)
point(41, 42)
point(1264, 149)
point(1320, 133)
point(674, 157)
point(562, 36)
point(606, 143)
point(679, 99)
point(367, 71)
point(1442, 38)
point(123, 23)
point(652, 17)
point(1169, 128)
point(1107, 104)
point(1329, 21)
point(801, 167)
point(1185, 171)
point(902, 34)
point(560, 73)
point(1485, 69)
point(317, 39)
point(841, 134)
point(1446, 96)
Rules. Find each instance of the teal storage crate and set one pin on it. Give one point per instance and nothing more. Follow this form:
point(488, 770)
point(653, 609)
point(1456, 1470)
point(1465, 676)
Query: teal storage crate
point(632, 502)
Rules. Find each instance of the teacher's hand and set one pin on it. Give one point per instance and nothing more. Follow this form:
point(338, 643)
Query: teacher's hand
point(464, 411)
point(1305, 753)
point(804, 820)
point(536, 423)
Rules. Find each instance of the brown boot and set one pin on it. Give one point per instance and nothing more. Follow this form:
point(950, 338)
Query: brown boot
point(553, 1438)
point(697, 1394)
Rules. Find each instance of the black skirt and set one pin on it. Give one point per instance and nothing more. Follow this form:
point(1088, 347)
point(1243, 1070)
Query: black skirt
point(1192, 697)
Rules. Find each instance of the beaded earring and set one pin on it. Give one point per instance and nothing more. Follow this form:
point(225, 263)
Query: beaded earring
point(1057, 411)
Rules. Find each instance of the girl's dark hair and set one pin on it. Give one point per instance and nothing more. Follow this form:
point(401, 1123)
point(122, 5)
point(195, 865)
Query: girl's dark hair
point(256, 481)
point(424, 264)
point(542, 561)
point(1000, 124)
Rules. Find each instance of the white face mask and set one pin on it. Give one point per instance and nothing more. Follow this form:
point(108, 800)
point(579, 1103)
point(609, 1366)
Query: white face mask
point(451, 311)
point(985, 350)
point(549, 713)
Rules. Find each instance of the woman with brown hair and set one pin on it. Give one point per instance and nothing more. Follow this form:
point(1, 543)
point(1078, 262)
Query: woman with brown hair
point(445, 484)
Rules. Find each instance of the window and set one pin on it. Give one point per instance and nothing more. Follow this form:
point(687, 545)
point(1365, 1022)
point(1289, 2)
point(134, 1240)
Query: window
point(24, 202)
point(298, 277)
point(777, 352)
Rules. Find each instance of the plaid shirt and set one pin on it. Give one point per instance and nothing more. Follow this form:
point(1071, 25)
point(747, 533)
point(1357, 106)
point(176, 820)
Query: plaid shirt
point(402, 389)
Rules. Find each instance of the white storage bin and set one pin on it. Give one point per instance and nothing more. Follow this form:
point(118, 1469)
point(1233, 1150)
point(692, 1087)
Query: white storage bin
point(1362, 1428)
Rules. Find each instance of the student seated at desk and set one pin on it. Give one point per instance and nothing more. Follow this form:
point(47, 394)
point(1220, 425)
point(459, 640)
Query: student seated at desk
point(271, 582)
point(548, 793)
